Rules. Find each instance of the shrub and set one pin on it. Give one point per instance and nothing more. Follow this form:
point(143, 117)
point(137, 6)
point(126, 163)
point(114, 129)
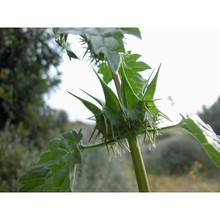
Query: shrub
point(18, 152)
point(101, 172)
point(98, 174)
point(16, 155)
point(178, 155)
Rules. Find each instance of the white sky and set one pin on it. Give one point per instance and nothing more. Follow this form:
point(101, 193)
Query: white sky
point(190, 70)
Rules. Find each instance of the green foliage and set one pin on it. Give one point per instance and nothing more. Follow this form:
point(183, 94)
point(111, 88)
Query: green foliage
point(100, 174)
point(16, 155)
point(102, 43)
point(27, 57)
point(177, 154)
point(131, 66)
point(120, 118)
point(211, 116)
point(103, 171)
point(205, 135)
point(54, 171)
point(117, 117)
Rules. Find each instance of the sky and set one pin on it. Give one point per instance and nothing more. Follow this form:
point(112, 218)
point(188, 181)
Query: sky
point(189, 72)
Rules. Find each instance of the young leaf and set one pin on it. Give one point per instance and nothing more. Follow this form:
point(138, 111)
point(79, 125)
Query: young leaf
point(130, 67)
point(113, 59)
point(111, 101)
point(62, 41)
point(106, 72)
point(151, 88)
point(205, 135)
point(131, 62)
point(137, 82)
point(53, 172)
point(130, 99)
point(97, 112)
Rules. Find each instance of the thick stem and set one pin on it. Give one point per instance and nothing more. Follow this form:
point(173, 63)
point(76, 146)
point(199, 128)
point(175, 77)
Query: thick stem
point(138, 163)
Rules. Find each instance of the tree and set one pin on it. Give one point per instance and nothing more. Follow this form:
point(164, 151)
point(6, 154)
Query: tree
point(211, 115)
point(27, 57)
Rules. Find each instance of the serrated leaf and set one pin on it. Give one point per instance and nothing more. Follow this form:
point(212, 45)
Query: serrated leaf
point(139, 66)
point(132, 31)
point(52, 173)
point(131, 57)
point(131, 62)
point(137, 82)
point(103, 41)
point(205, 135)
point(62, 41)
point(130, 66)
point(114, 61)
point(107, 41)
point(134, 107)
point(105, 71)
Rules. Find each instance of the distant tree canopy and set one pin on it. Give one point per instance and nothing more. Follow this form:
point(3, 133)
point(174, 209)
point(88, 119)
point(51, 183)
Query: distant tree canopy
point(212, 116)
point(27, 56)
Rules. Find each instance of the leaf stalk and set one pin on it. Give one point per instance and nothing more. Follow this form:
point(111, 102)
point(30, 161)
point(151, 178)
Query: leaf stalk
point(117, 82)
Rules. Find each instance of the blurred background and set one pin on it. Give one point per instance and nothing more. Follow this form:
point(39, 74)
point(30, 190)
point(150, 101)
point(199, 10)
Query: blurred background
point(35, 107)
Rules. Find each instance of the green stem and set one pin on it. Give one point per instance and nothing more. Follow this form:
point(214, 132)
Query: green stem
point(117, 82)
point(94, 146)
point(139, 167)
point(136, 155)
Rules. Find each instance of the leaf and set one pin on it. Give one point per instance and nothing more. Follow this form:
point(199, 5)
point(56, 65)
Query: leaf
point(100, 41)
point(62, 41)
point(114, 61)
point(132, 63)
point(151, 88)
point(52, 173)
point(139, 66)
point(96, 99)
point(107, 41)
point(132, 31)
point(97, 112)
point(137, 82)
point(130, 99)
point(106, 72)
point(130, 67)
point(111, 101)
point(134, 107)
point(93, 108)
point(205, 135)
